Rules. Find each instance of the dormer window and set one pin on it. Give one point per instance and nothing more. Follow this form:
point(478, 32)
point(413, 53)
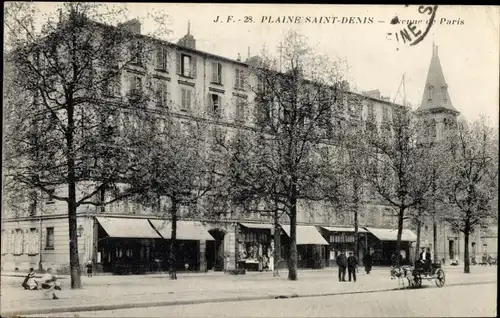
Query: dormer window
point(429, 92)
point(443, 91)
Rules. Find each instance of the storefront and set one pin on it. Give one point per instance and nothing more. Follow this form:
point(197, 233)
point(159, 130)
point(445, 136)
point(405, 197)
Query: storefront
point(311, 246)
point(343, 239)
point(383, 243)
point(126, 245)
point(255, 252)
point(136, 245)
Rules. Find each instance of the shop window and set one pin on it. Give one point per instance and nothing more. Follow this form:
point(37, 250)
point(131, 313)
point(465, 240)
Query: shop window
point(49, 240)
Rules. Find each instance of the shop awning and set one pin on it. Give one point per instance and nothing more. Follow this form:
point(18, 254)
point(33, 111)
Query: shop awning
point(260, 226)
point(186, 230)
point(306, 235)
point(344, 229)
point(127, 227)
point(392, 234)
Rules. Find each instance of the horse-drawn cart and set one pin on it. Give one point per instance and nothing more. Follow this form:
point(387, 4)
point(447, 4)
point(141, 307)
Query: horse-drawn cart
point(416, 274)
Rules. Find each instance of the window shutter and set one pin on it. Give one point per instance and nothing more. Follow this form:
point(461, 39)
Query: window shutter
point(220, 72)
point(214, 72)
point(178, 62)
point(193, 67)
point(36, 241)
point(159, 57)
point(26, 241)
point(184, 99)
point(188, 99)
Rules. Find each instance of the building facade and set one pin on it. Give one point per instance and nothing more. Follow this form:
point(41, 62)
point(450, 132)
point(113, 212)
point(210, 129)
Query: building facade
point(125, 236)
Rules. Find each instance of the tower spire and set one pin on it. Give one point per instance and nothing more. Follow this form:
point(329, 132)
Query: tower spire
point(189, 27)
point(435, 94)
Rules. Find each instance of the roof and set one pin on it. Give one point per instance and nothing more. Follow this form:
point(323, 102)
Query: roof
point(440, 98)
point(392, 234)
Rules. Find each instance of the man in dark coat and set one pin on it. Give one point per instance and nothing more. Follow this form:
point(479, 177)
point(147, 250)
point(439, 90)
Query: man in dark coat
point(341, 263)
point(352, 263)
point(368, 262)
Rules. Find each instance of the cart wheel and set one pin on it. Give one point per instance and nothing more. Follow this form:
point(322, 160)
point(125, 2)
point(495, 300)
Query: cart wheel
point(417, 281)
point(440, 278)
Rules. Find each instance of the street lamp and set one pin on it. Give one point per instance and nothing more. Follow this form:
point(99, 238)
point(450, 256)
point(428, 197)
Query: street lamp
point(80, 230)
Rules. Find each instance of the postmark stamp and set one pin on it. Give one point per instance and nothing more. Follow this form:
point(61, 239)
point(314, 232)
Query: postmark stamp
point(412, 31)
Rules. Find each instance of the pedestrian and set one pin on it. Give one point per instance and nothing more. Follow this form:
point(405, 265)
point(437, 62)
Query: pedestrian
point(352, 264)
point(50, 284)
point(368, 262)
point(341, 263)
point(29, 282)
point(89, 268)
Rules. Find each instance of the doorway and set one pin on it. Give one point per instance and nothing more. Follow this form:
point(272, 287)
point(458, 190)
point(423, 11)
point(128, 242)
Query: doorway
point(215, 250)
point(451, 249)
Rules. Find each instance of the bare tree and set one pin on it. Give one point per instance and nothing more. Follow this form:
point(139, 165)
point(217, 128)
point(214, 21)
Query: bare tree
point(182, 166)
point(398, 168)
point(65, 128)
point(471, 179)
point(295, 100)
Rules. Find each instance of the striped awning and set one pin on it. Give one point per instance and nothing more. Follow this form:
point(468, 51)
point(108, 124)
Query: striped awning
point(186, 230)
point(260, 226)
point(127, 227)
point(306, 235)
point(344, 229)
point(392, 234)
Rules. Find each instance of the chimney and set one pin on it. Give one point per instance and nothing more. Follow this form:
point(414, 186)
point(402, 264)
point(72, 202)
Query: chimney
point(375, 93)
point(133, 26)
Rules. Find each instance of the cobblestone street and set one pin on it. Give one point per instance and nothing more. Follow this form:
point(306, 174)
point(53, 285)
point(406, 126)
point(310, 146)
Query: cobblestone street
point(452, 301)
point(117, 292)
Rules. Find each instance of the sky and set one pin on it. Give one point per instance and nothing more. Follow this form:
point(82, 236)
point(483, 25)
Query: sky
point(467, 37)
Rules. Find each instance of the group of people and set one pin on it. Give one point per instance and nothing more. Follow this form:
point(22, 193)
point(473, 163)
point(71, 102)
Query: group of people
point(350, 263)
point(48, 283)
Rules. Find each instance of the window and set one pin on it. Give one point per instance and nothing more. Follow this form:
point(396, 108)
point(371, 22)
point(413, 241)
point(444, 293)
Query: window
point(4, 242)
point(111, 87)
point(161, 58)
point(216, 73)
point(186, 99)
point(161, 94)
point(385, 113)
point(18, 242)
point(429, 92)
point(50, 199)
point(136, 52)
point(240, 109)
point(240, 79)
point(33, 240)
point(186, 65)
point(32, 207)
point(443, 91)
point(371, 110)
point(215, 104)
point(49, 240)
point(135, 85)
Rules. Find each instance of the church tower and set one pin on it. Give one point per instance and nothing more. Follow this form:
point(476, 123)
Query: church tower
point(436, 109)
point(188, 40)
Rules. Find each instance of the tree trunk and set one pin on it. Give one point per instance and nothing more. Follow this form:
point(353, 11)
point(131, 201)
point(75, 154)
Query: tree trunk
point(434, 239)
point(356, 233)
point(173, 238)
point(400, 233)
point(74, 262)
point(277, 244)
point(292, 258)
point(466, 247)
point(417, 247)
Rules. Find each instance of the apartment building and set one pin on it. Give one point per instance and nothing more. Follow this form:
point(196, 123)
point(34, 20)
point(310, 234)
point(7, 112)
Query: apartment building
point(194, 84)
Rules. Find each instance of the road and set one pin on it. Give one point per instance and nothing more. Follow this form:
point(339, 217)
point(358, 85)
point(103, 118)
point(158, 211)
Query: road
point(459, 301)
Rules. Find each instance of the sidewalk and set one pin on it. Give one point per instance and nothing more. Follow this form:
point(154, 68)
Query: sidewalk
point(112, 292)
